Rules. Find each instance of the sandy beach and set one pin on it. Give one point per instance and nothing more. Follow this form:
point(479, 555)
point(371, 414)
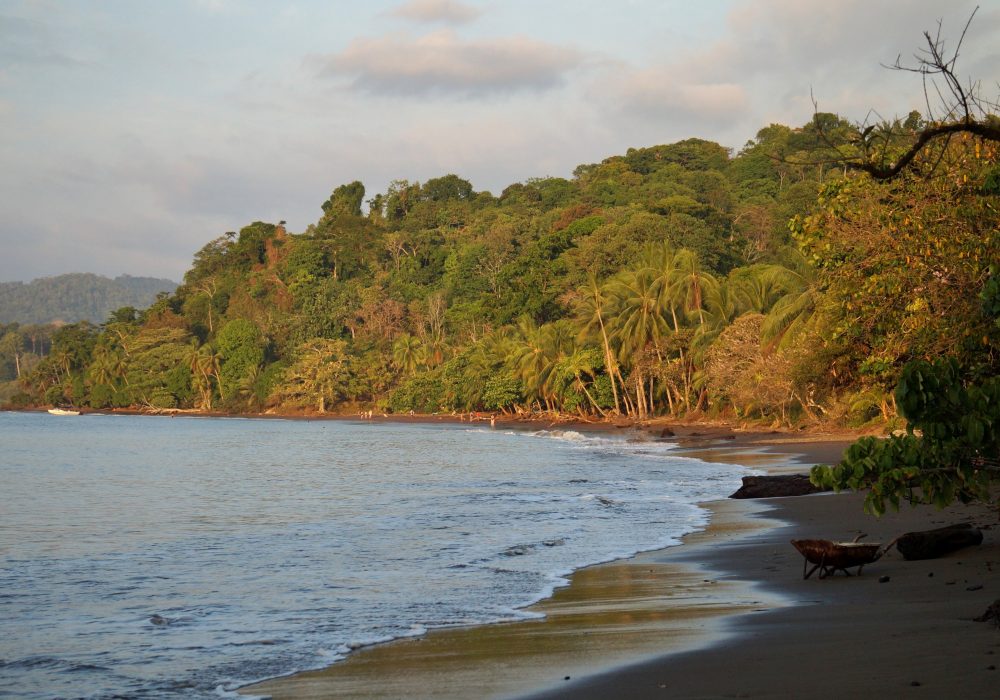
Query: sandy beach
point(726, 614)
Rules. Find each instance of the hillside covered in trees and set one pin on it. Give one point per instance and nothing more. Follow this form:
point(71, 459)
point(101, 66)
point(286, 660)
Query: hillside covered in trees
point(774, 284)
point(76, 297)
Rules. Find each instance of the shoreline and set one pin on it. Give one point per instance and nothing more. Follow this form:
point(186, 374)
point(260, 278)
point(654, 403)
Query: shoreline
point(611, 615)
point(903, 627)
point(703, 434)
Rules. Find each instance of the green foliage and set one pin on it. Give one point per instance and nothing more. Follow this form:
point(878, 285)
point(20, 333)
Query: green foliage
point(345, 200)
point(423, 393)
point(240, 349)
point(949, 452)
point(656, 282)
point(442, 189)
point(502, 393)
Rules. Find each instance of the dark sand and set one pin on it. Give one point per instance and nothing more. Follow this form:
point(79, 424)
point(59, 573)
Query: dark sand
point(726, 614)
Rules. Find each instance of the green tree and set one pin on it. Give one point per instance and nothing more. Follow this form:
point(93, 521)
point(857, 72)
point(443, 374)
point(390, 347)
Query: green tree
point(319, 376)
point(949, 452)
point(241, 354)
point(345, 200)
point(408, 353)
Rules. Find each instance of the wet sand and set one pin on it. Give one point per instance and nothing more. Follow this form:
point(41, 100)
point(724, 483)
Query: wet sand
point(609, 615)
point(726, 614)
point(912, 635)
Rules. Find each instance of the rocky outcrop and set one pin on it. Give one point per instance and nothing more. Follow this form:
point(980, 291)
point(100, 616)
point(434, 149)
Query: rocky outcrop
point(776, 485)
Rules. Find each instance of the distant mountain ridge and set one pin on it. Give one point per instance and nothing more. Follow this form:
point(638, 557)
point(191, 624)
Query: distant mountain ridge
point(76, 297)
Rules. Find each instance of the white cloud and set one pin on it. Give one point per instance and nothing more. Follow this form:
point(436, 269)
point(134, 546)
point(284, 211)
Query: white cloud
point(446, 11)
point(443, 63)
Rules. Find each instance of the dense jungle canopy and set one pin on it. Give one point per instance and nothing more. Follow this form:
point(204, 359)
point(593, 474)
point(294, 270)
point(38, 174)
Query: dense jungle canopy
point(677, 279)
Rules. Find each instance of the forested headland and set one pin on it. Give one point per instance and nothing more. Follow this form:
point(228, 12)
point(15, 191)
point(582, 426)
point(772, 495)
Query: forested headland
point(76, 297)
point(681, 279)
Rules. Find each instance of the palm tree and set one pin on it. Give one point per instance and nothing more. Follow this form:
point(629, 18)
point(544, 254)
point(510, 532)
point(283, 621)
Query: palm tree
point(661, 261)
point(639, 322)
point(758, 287)
point(574, 367)
point(796, 310)
point(203, 362)
point(104, 368)
point(591, 307)
point(408, 353)
point(690, 283)
point(534, 353)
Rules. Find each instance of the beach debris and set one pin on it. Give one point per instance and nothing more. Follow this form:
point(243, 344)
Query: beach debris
point(883, 579)
point(931, 544)
point(775, 486)
point(830, 557)
point(976, 587)
point(992, 614)
point(159, 620)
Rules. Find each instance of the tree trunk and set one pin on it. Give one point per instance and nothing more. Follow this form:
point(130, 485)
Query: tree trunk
point(609, 361)
point(629, 408)
point(931, 544)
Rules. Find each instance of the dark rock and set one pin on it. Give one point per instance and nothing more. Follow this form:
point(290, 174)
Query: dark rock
point(883, 579)
point(992, 614)
point(930, 544)
point(977, 587)
point(666, 433)
point(777, 485)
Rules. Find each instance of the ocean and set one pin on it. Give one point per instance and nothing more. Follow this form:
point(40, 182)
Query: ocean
point(159, 557)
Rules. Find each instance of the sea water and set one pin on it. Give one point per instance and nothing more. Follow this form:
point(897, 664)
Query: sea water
point(184, 557)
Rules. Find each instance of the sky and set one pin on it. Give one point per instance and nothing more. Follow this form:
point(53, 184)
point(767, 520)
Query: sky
point(133, 132)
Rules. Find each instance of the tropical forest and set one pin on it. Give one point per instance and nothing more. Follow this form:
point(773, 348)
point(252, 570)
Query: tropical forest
point(795, 281)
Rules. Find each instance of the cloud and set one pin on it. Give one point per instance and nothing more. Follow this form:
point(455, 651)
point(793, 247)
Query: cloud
point(772, 57)
point(446, 11)
point(27, 42)
point(443, 63)
point(658, 94)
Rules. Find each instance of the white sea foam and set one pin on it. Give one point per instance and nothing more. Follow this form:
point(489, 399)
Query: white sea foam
point(320, 538)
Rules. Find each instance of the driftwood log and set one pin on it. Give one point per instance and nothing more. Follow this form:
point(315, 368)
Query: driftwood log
point(778, 485)
point(931, 544)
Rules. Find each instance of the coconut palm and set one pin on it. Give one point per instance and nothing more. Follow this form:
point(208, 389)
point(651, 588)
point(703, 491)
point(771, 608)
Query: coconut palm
point(534, 353)
point(105, 368)
point(408, 353)
point(639, 322)
point(796, 310)
point(690, 283)
point(203, 362)
point(591, 307)
point(576, 370)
